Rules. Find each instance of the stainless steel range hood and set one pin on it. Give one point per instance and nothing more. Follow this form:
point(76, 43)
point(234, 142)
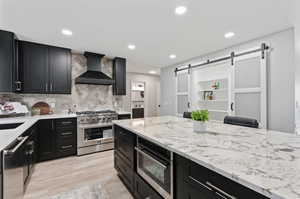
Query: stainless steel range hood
point(94, 75)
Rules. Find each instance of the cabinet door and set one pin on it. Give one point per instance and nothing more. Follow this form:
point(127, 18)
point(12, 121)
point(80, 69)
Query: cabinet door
point(34, 67)
point(124, 144)
point(138, 113)
point(46, 140)
point(60, 70)
point(66, 137)
point(143, 190)
point(125, 171)
point(124, 116)
point(6, 60)
point(119, 74)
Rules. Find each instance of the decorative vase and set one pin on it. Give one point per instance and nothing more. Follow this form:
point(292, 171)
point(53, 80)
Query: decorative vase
point(199, 126)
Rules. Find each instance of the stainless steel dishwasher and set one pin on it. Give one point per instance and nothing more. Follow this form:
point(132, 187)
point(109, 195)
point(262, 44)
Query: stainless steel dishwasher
point(13, 169)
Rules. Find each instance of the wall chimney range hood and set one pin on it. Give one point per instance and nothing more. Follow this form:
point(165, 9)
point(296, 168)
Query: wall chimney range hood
point(94, 75)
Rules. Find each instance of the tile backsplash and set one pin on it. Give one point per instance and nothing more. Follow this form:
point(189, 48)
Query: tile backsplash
point(83, 97)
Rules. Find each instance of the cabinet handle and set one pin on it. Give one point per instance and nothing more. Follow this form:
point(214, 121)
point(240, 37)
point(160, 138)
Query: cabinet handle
point(46, 87)
point(68, 122)
point(67, 147)
point(231, 106)
point(18, 85)
point(220, 191)
point(67, 133)
point(50, 86)
point(200, 183)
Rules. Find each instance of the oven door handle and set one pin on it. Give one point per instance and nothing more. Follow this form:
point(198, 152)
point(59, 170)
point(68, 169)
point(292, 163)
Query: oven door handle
point(150, 157)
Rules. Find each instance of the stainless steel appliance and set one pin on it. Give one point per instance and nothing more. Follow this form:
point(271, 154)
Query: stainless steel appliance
point(13, 169)
point(95, 131)
point(155, 165)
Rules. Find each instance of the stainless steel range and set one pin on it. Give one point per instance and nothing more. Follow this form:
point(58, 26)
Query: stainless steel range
point(95, 131)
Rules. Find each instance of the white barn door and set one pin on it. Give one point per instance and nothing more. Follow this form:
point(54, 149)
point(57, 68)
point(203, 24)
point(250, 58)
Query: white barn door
point(182, 92)
point(249, 87)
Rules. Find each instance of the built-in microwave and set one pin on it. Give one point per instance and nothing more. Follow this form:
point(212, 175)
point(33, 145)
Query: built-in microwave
point(154, 165)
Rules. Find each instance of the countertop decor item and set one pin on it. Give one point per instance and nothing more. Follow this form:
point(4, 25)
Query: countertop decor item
point(200, 117)
point(41, 108)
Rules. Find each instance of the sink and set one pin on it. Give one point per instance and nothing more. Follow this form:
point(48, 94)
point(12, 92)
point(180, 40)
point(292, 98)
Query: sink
point(9, 126)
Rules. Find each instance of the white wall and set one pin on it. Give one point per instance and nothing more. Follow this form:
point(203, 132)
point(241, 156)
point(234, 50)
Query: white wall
point(281, 92)
point(1, 13)
point(296, 22)
point(152, 84)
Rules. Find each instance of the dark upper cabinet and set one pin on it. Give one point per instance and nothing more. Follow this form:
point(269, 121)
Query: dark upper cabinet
point(44, 69)
point(7, 60)
point(33, 67)
point(119, 75)
point(60, 70)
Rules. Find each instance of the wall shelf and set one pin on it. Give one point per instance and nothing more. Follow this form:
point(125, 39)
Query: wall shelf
point(219, 106)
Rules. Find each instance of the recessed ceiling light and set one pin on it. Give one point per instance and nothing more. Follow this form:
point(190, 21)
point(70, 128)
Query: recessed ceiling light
point(229, 35)
point(180, 10)
point(131, 46)
point(172, 56)
point(66, 32)
point(152, 72)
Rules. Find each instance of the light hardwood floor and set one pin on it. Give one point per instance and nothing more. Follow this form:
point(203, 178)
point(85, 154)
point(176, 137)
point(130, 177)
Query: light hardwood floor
point(62, 175)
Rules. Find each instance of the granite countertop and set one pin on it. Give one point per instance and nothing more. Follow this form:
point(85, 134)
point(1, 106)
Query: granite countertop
point(8, 136)
point(263, 160)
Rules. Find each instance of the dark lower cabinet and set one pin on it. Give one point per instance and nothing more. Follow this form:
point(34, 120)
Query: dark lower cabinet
point(57, 138)
point(125, 164)
point(143, 190)
point(124, 116)
point(138, 113)
point(46, 140)
point(125, 142)
point(124, 159)
point(195, 181)
point(125, 171)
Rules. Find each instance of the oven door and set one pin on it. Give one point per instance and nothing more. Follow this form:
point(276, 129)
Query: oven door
point(154, 170)
point(94, 135)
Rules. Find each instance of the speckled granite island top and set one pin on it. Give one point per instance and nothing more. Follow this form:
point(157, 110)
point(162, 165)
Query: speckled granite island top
point(265, 161)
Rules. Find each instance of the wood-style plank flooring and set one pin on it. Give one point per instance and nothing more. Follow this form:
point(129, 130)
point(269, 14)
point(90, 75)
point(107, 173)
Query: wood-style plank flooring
point(62, 175)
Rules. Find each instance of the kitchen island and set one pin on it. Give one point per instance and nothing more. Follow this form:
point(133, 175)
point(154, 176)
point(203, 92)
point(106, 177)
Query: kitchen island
point(262, 160)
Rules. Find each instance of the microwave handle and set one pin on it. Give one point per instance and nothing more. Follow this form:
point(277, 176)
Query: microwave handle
point(150, 157)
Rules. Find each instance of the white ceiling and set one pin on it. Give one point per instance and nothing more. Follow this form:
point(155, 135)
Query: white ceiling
point(108, 26)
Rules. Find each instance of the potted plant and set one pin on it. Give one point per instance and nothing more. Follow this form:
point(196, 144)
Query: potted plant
point(200, 117)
